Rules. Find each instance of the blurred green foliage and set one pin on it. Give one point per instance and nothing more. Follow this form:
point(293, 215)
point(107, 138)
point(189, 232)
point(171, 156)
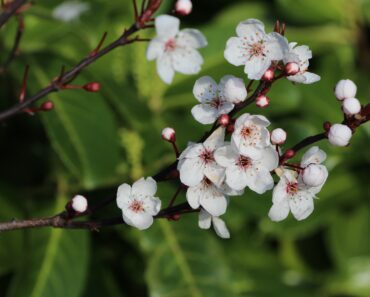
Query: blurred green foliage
point(91, 143)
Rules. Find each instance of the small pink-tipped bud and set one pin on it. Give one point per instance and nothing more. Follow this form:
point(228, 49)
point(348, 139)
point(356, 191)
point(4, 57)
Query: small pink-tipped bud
point(224, 120)
point(339, 135)
point(278, 136)
point(291, 68)
point(183, 7)
point(92, 87)
point(79, 204)
point(327, 126)
point(344, 89)
point(351, 106)
point(289, 154)
point(262, 101)
point(268, 75)
point(46, 106)
point(169, 134)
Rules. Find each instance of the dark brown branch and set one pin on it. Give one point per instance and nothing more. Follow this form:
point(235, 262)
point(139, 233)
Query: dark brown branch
point(10, 10)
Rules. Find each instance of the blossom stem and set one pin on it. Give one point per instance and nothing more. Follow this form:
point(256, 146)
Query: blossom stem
point(10, 10)
point(173, 199)
point(175, 148)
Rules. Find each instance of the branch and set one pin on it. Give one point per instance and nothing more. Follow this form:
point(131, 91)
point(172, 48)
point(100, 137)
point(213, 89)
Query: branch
point(9, 10)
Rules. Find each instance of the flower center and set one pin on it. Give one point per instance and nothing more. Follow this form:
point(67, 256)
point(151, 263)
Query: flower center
point(250, 134)
point(256, 49)
point(137, 206)
point(170, 45)
point(216, 103)
point(207, 156)
point(244, 162)
point(292, 188)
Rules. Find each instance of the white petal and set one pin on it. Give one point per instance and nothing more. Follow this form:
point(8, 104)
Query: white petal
point(310, 78)
point(205, 89)
point(215, 173)
point(224, 188)
point(215, 140)
point(165, 69)
point(141, 220)
point(192, 151)
point(166, 26)
point(249, 151)
point(226, 156)
point(191, 38)
point(155, 49)
point(313, 156)
point(279, 211)
point(153, 206)
point(242, 119)
point(270, 159)
point(204, 219)
point(193, 195)
point(280, 194)
point(191, 172)
point(204, 113)
point(213, 201)
point(123, 195)
point(276, 46)
point(236, 178)
point(255, 67)
point(298, 78)
point(260, 120)
point(303, 52)
point(252, 29)
point(301, 205)
point(235, 52)
point(220, 228)
point(262, 181)
point(225, 107)
point(186, 60)
point(144, 187)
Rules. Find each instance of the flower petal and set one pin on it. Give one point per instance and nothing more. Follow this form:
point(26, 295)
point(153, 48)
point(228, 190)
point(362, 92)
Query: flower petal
point(191, 38)
point(153, 206)
point(310, 78)
point(261, 181)
point(155, 49)
point(215, 140)
point(205, 89)
point(123, 195)
point(269, 160)
point(193, 195)
point(205, 219)
point(276, 46)
point(279, 211)
point(165, 69)
point(313, 156)
point(226, 155)
point(252, 29)
point(215, 173)
point(235, 52)
point(255, 67)
point(192, 151)
point(140, 220)
point(187, 60)
point(213, 201)
point(301, 205)
point(166, 26)
point(191, 172)
point(236, 178)
point(204, 113)
point(144, 187)
point(220, 228)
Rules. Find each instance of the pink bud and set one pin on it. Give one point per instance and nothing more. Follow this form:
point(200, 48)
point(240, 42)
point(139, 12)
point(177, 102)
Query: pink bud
point(183, 7)
point(47, 105)
point(169, 134)
point(268, 75)
point(278, 136)
point(262, 101)
point(289, 154)
point(291, 68)
point(92, 87)
point(224, 120)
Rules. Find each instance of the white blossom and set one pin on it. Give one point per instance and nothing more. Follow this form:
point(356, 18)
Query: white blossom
point(255, 49)
point(251, 135)
point(216, 100)
point(290, 194)
point(351, 106)
point(70, 10)
point(205, 221)
point(138, 203)
point(339, 135)
point(197, 161)
point(79, 203)
point(301, 55)
point(175, 50)
point(278, 136)
point(242, 170)
point(344, 89)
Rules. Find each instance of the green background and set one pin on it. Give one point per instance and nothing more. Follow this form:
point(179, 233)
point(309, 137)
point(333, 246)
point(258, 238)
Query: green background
point(93, 142)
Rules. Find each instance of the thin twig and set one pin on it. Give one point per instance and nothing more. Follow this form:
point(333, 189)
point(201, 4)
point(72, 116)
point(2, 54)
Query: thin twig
point(10, 10)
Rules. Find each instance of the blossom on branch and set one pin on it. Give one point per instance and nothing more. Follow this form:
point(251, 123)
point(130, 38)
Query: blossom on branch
point(70, 10)
point(175, 50)
point(138, 203)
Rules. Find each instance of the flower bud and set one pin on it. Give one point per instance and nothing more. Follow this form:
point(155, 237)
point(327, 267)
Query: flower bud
point(262, 101)
point(344, 89)
point(183, 7)
point(268, 75)
point(79, 204)
point(314, 175)
point(47, 105)
point(92, 87)
point(278, 136)
point(351, 106)
point(169, 134)
point(339, 135)
point(224, 120)
point(234, 90)
point(291, 68)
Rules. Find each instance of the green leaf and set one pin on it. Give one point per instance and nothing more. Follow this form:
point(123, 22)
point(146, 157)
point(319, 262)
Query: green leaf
point(54, 263)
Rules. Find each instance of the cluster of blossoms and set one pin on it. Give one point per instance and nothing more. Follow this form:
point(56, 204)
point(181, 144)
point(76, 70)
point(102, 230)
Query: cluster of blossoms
point(240, 153)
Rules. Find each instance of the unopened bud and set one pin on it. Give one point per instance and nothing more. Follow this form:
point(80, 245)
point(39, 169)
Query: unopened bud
point(339, 135)
point(92, 87)
point(268, 75)
point(224, 120)
point(183, 7)
point(262, 101)
point(344, 89)
point(278, 136)
point(234, 89)
point(169, 134)
point(289, 154)
point(230, 129)
point(47, 105)
point(79, 204)
point(351, 106)
point(327, 126)
point(291, 68)
point(314, 175)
